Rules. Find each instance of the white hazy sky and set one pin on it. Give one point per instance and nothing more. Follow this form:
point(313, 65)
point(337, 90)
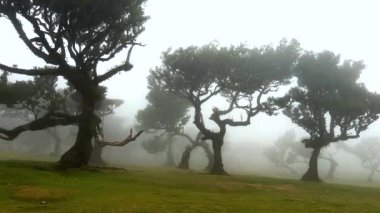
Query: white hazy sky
point(348, 27)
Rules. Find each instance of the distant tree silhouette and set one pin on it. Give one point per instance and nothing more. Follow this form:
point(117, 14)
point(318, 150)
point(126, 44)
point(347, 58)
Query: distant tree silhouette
point(242, 76)
point(329, 103)
point(368, 151)
point(287, 151)
point(72, 37)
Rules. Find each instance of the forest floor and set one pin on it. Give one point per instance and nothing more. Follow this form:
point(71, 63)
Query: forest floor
point(30, 186)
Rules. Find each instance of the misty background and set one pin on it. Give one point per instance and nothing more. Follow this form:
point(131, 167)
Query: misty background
point(349, 28)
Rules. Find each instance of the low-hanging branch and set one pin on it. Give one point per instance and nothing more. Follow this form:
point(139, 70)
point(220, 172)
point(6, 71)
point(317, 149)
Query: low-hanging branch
point(46, 121)
point(32, 72)
point(99, 139)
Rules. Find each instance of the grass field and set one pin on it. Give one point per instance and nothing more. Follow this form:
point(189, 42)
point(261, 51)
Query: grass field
point(26, 187)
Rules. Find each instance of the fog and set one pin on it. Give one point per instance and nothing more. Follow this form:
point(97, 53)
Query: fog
point(349, 28)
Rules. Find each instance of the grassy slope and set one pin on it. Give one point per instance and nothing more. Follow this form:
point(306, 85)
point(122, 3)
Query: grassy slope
point(23, 188)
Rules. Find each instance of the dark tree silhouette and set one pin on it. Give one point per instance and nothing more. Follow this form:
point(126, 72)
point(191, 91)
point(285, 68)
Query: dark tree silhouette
point(239, 74)
point(329, 103)
point(73, 37)
point(165, 116)
point(35, 98)
point(368, 152)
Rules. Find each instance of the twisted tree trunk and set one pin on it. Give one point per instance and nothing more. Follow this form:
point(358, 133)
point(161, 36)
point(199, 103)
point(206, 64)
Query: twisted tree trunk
point(184, 163)
point(209, 154)
point(333, 165)
point(312, 172)
point(169, 155)
point(79, 154)
point(217, 168)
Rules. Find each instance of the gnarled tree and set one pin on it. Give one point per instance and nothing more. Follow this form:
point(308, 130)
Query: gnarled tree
point(73, 37)
point(242, 76)
point(329, 103)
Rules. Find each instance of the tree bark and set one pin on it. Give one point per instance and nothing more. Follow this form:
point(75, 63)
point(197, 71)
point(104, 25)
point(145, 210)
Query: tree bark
point(57, 141)
point(80, 154)
point(333, 165)
point(96, 156)
point(184, 164)
point(209, 154)
point(312, 172)
point(217, 168)
point(57, 145)
point(169, 155)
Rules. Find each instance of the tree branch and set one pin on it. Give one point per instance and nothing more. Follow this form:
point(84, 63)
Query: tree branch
point(38, 52)
point(46, 121)
point(126, 66)
point(99, 139)
point(31, 72)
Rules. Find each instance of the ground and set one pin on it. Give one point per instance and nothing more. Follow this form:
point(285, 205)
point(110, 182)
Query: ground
point(28, 186)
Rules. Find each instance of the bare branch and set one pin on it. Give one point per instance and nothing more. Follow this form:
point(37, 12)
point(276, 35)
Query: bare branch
point(126, 66)
point(37, 51)
point(232, 103)
point(99, 139)
point(213, 93)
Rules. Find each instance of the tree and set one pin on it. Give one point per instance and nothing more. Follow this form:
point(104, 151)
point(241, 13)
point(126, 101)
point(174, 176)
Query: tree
point(282, 153)
point(165, 116)
point(287, 152)
point(38, 96)
point(368, 152)
point(73, 37)
point(329, 103)
point(239, 74)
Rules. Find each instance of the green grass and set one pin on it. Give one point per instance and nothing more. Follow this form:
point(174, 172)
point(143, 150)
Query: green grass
point(25, 187)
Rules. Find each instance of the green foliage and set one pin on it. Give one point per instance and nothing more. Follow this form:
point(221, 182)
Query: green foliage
point(156, 144)
point(265, 66)
point(192, 68)
point(103, 26)
point(328, 102)
point(164, 111)
point(31, 98)
point(165, 114)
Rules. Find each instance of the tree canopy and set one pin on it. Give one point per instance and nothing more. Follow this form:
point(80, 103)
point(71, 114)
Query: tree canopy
point(239, 74)
point(73, 37)
point(329, 103)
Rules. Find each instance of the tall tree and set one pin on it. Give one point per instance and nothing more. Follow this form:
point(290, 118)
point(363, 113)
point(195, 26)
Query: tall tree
point(329, 103)
point(73, 37)
point(165, 116)
point(242, 76)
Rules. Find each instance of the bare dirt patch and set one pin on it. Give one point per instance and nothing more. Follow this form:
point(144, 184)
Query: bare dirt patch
point(37, 193)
